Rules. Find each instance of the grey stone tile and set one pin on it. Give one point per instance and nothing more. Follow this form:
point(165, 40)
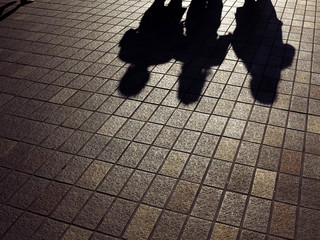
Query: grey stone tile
point(115, 180)
point(117, 217)
point(218, 173)
point(153, 159)
point(159, 191)
point(137, 185)
point(94, 210)
point(232, 208)
point(169, 226)
point(311, 166)
point(207, 202)
point(310, 193)
point(113, 150)
point(241, 178)
point(133, 154)
point(257, 215)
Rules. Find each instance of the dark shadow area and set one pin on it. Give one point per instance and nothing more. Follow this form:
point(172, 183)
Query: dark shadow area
point(202, 22)
point(257, 41)
point(160, 38)
point(151, 43)
point(10, 12)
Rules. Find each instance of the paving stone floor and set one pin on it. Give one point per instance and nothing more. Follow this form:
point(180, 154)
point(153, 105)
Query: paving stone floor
point(184, 127)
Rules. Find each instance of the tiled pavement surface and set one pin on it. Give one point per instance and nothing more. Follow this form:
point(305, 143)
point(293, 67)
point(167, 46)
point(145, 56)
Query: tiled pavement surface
point(220, 139)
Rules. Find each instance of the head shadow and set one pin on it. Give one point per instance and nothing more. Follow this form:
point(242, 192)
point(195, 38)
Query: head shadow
point(257, 41)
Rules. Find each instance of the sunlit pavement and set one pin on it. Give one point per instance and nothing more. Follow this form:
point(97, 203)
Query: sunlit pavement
point(175, 130)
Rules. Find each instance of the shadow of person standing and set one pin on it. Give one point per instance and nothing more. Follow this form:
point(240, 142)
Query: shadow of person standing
point(257, 41)
point(11, 11)
point(150, 44)
point(201, 24)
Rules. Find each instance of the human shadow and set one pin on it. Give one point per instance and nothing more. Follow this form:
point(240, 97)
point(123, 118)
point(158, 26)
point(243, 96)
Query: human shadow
point(150, 44)
point(202, 23)
point(257, 41)
point(160, 37)
point(10, 12)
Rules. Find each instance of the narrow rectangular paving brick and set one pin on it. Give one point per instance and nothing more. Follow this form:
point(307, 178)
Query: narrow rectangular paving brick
point(142, 222)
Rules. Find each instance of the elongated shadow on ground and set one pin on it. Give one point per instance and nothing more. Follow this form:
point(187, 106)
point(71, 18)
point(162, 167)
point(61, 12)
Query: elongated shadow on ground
point(150, 44)
point(257, 41)
point(202, 23)
point(4, 15)
point(160, 38)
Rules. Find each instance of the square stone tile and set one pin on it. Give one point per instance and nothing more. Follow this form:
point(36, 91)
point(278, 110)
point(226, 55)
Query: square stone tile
point(248, 153)
point(291, 162)
point(77, 233)
point(241, 111)
point(93, 211)
point(241, 178)
point(278, 118)
point(222, 231)
point(117, 217)
point(94, 174)
point(137, 185)
point(227, 149)
point(215, 124)
point(169, 225)
point(73, 169)
point(50, 229)
point(113, 150)
point(207, 202)
point(264, 182)
point(144, 111)
point(196, 229)
point(274, 136)
point(247, 235)
point(130, 129)
point(186, 140)
point(115, 180)
point(224, 107)
point(259, 114)
point(195, 169)
point(49, 198)
point(254, 132)
point(162, 114)
point(71, 204)
point(309, 224)
point(182, 197)
point(133, 154)
point(218, 173)
point(179, 118)
point(159, 191)
point(112, 125)
point(313, 124)
point(310, 193)
point(294, 140)
point(297, 121)
point(148, 133)
point(257, 215)
point(232, 208)
point(283, 220)
point(197, 121)
point(287, 189)
point(311, 166)
point(142, 222)
point(234, 128)
point(206, 145)
point(153, 159)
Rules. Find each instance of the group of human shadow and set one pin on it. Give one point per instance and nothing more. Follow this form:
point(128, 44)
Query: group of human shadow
point(163, 36)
